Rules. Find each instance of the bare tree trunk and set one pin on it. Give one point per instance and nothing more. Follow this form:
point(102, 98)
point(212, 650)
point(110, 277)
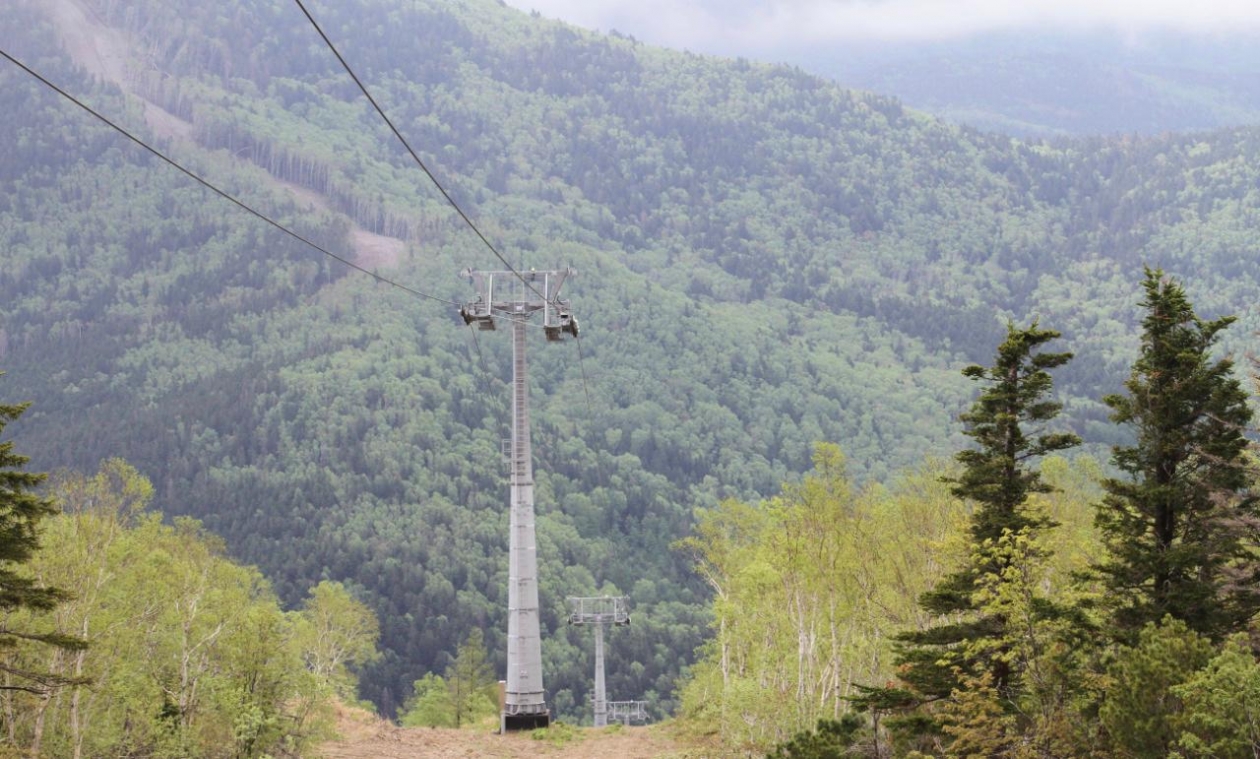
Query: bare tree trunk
point(76, 727)
point(10, 713)
point(37, 733)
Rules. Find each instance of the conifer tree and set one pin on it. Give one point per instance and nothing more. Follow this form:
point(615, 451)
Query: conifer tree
point(470, 679)
point(1179, 526)
point(21, 511)
point(997, 477)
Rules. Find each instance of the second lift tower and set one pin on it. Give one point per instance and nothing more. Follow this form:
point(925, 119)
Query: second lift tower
point(600, 612)
point(516, 297)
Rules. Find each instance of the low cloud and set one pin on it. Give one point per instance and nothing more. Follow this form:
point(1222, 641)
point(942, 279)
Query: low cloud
point(744, 24)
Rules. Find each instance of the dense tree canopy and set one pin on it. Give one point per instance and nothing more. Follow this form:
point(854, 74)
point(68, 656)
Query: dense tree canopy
point(766, 261)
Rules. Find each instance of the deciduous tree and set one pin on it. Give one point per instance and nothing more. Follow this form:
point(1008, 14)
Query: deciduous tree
point(430, 704)
point(337, 633)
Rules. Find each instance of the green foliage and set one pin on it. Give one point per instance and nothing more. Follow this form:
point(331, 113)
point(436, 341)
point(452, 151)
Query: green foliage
point(471, 682)
point(977, 721)
point(799, 262)
point(21, 513)
point(893, 542)
point(831, 739)
point(338, 634)
point(1141, 708)
point(190, 654)
point(1221, 705)
point(430, 704)
point(557, 734)
point(808, 589)
point(988, 608)
point(1177, 527)
point(1017, 395)
point(1047, 643)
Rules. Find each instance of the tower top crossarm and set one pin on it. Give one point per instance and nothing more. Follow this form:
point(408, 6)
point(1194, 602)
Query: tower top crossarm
point(600, 610)
point(519, 295)
point(625, 711)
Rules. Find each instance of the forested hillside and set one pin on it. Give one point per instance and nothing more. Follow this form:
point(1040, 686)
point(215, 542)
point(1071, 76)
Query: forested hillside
point(765, 261)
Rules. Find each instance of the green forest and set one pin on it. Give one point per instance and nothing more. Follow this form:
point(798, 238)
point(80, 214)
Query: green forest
point(128, 636)
point(761, 435)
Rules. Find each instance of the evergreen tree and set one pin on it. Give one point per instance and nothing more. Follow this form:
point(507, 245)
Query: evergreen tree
point(1140, 709)
point(831, 738)
point(470, 679)
point(997, 477)
point(1221, 704)
point(21, 511)
point(1178, 528)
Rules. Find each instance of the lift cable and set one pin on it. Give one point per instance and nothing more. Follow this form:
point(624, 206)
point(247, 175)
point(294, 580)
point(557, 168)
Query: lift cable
point(585, 386)
point(415, 156)
point(590, 408)
point(221, 193)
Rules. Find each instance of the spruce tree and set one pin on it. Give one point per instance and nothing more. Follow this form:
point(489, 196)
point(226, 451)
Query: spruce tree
point(997, 476)
point(1180, 525)
point(21, 511)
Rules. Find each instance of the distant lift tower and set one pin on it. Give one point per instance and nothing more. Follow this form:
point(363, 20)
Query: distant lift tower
point(517, 297)
point(627, 711)
point(598, 612)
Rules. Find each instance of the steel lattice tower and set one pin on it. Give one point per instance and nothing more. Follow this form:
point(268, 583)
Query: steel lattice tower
point(517, 297)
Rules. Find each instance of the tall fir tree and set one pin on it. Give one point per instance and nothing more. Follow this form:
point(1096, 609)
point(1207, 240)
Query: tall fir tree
point(1180, 525)
point(998, 476)
point(21, 511)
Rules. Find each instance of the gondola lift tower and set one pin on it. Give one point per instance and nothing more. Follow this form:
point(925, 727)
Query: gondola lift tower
point(600, 612)
point(518, 297)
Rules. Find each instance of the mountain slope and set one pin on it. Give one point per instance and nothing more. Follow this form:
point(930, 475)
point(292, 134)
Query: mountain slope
point(766, 261)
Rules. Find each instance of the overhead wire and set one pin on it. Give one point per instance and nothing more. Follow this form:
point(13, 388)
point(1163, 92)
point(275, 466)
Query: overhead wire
point(590, 407)
point(414, 155)
point(221, 193)
point(269, 220)
point(304, 240)
point(585, 386)
point(295, 235)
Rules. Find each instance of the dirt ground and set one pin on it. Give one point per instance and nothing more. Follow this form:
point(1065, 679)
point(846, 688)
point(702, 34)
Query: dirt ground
point(365, 737)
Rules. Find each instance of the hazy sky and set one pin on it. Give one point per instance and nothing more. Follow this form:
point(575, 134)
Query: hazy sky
point(731, 26)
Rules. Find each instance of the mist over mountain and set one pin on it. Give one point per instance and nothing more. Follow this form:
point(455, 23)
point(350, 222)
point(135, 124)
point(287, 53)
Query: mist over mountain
point(1032, 85)
point(1035, 70)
